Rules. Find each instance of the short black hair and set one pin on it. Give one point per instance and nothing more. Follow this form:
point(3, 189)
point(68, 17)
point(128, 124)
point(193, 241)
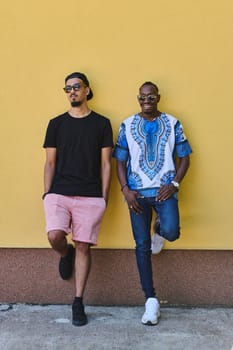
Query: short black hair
point(150, 83)
point(82, 77)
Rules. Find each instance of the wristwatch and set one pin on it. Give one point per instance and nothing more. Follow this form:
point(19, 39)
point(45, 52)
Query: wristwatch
point(175, 184)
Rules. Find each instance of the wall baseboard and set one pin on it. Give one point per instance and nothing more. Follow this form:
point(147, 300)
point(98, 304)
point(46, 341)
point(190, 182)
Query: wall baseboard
point(182, 277)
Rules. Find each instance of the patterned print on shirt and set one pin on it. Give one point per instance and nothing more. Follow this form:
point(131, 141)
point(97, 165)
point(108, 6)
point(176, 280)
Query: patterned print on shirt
point(151, 136)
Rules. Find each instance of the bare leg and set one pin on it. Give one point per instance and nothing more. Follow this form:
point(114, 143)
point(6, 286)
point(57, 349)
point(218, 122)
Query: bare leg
point(82, 266)
point(58, 241)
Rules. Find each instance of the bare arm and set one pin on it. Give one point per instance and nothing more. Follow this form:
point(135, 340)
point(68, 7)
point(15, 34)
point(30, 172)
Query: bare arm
point(49, 168)
point(106, 153)
point(182, 168)
point(167, 191)
point(130, 196)
point(121, 174)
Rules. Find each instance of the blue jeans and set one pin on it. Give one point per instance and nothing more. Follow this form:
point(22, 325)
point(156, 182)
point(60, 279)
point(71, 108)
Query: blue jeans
point(168, 213)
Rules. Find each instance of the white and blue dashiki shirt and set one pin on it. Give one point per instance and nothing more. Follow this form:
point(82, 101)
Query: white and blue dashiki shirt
point(150, 149)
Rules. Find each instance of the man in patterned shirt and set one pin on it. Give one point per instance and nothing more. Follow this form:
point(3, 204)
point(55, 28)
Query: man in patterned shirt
point(152, 154)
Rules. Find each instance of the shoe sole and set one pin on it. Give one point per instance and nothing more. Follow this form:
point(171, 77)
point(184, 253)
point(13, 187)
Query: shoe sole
point(79, 324)
point(150, 323)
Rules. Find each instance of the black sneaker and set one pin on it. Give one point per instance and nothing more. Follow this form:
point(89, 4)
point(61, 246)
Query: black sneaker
point(79, 317)
point(66, 263)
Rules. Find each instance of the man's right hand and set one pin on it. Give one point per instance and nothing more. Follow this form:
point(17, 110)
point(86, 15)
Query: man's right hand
point(131, 199)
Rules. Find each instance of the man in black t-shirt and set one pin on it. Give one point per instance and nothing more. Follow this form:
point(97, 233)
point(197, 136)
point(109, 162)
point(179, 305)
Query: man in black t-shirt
point(77, 175)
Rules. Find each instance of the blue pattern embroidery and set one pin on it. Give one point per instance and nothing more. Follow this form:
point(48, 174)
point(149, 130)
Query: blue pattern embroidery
point(122, 137)
point(134, 181)
point(168, 177)
point(151, 136)
point(180, 137)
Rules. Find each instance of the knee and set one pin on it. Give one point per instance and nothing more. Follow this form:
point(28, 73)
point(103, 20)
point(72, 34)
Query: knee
point(170, 230)
point(55, 237)
point(143, 246)
point(82, 248)
point(171, 236)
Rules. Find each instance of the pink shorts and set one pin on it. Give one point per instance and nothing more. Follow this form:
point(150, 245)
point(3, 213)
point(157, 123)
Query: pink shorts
point(80, 215)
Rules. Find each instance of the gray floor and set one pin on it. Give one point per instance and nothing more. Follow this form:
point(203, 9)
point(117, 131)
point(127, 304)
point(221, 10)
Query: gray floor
point(29, 327)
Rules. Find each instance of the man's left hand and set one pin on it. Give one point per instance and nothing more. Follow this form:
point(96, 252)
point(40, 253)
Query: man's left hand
point(165, 192)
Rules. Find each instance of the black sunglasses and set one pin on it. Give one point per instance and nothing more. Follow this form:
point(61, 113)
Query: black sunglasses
point(68, 88)
point(151, 98)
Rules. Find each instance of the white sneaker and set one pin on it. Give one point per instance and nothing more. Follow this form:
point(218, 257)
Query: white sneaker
point(157, 243)
point(152, 313)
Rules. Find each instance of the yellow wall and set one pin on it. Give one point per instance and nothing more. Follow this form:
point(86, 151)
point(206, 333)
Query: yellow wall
point(184, 46)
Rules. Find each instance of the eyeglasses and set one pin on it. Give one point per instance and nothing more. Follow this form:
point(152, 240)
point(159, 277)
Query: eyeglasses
point(151, 98)
point(68, 88)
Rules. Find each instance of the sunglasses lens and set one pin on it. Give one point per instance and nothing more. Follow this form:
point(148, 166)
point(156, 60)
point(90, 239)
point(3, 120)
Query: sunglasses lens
point(141, 98)
point(76, 87)
point(67, 88)
point(151, 98)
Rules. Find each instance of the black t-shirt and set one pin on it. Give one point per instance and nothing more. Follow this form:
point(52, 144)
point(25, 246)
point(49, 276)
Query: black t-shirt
point(78, 142)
